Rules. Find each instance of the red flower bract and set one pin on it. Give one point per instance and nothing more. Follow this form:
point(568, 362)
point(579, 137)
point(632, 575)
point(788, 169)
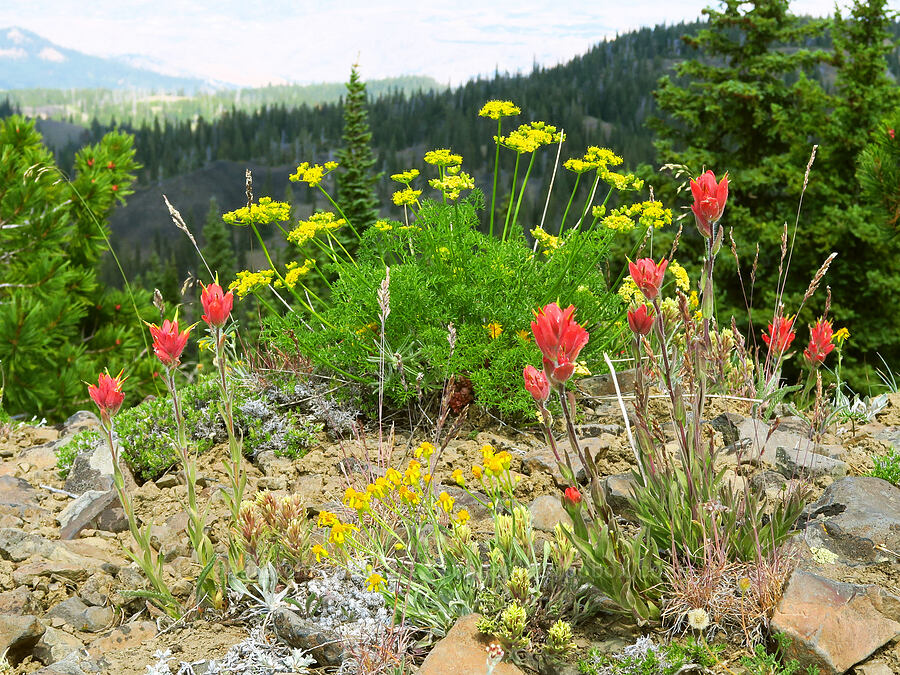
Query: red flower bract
point(820, 344)
point(168, 343)
point(107, 394)
point(781, 334)
point(216, 304)
point(536, 383)
point(709, 201)
point(640, 320)
point(560, 339)
point(572, 495)
point(648, 276)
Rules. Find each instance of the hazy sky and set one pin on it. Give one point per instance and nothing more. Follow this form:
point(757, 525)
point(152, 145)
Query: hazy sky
point(254, 42)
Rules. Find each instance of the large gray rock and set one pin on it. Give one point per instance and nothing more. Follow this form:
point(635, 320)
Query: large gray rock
point(619, 489)
point(326, 647)
point(83, 419)
point(81, 617)
point(805, 463)
point(542, 459)
point(18, 635)
point(93, 470)
point(857, 518)
point(17, 493)
point(547, 512)
point(834, 625)
point(758, 443)
point(96, 508)
point(55, 645)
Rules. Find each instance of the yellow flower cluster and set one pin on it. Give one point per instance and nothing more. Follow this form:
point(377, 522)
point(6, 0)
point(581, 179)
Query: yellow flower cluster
point(594, 159)
point(494, 329)
point(681, 276)
point(497, 109)
point(495, 463)
point(250, 282)
point(647, 214)
point(406, 177)
point(383, 225)
point(548, 241)
point(374, 582)
point(317, 222)
point(312, 174)
point(840, 336)
point(630, 293)
point(407, 197)
point(294, 272)
point(442, 157)
point(453, 183)
point(621, 182)
point(263, 213)
point(529, 137)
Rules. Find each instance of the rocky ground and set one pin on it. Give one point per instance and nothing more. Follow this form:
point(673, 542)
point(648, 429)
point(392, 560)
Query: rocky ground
point(64, 576)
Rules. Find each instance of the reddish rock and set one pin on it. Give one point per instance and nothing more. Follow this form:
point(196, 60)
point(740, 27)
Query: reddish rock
point(463, 652)
point(129, 635)
point(835, 625)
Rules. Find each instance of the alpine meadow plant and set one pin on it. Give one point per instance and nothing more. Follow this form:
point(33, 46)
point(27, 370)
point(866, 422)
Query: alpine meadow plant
point(699, 535)
point(446, 269)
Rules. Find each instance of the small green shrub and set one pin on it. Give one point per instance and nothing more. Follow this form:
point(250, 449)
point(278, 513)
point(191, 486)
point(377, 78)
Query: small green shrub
point(887, 467)
point(443, 271)
point(773, 663)
point(266, 418)
point(645, 657)
point(84, 441)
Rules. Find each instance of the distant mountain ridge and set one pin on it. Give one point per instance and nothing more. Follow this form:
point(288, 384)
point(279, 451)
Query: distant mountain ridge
point(28, 60)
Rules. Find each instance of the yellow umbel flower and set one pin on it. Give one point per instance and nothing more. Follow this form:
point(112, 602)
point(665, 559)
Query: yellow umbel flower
point(250, 282)
point(446, 502)
point(452, 185)
point(262, 213)
point(494, 329)
point(548, 241)
point(529, 137)
point(358, 501)
point(497, 109)
point(312, 174)
point(442, 157)
point(681, 276)
point(317, 222)
point(620, 181)
point(595, 158)
point(320, 552)
point(295, 271)
point(383, 225)
point(406, 177)
point(630, 293)
point(375, 582)
point(406, 197)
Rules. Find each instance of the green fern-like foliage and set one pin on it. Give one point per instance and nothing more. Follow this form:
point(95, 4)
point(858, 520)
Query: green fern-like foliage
point(443, 271)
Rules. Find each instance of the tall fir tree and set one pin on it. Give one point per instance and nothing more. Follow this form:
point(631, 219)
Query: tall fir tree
point(218, 248)
point(356, 179)
point(748, 104)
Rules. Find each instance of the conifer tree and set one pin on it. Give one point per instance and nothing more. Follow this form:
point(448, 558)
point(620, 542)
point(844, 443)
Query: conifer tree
point(58, 326)
point(356, 180)
point(747, 104)
point(218, 249)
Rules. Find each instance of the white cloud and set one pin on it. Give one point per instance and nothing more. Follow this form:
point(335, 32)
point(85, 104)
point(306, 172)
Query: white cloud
point(50, 54)
point(13, 53)
point(16, 36)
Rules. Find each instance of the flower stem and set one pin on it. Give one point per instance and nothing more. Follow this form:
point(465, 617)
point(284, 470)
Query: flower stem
point(496, 178)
